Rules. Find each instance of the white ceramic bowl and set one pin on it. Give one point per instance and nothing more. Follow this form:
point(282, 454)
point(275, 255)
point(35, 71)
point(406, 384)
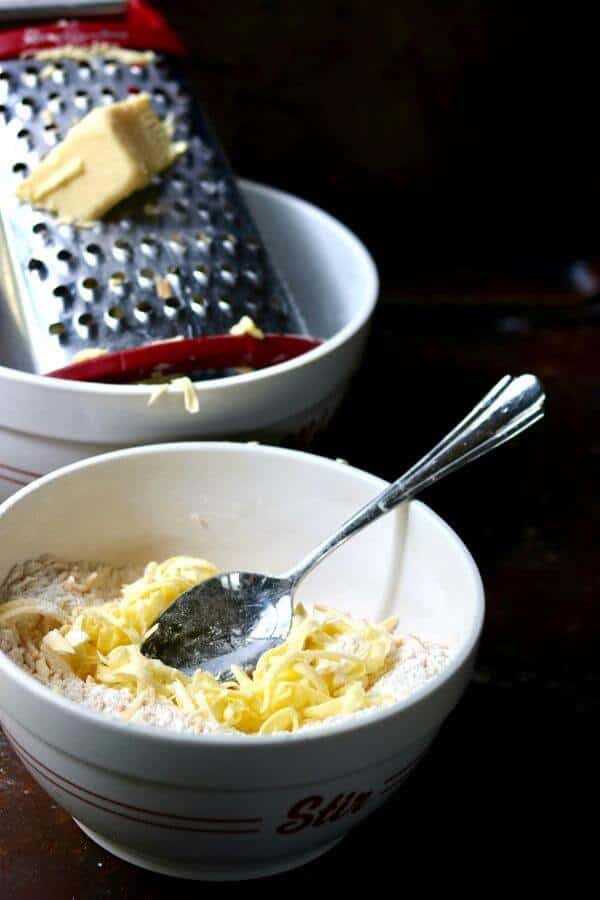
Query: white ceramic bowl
point(226, 806)
point(46, 423)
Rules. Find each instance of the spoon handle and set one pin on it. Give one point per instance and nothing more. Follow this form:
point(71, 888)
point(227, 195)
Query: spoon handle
point(509, 408)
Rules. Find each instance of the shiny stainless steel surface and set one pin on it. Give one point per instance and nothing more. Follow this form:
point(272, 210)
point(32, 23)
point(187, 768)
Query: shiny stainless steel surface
point(233, 618)
point(66, 288)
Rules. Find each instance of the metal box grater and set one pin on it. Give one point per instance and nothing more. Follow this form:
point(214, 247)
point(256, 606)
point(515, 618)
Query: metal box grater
point(65, 288)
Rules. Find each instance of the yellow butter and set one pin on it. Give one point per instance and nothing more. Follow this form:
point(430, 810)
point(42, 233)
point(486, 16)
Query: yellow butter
point(310, 677)
point(112, 152)
point(246, 325)
point(54, 640)
point(182, 385)
point(163, 288)
point(97, 48)
point(91, 353)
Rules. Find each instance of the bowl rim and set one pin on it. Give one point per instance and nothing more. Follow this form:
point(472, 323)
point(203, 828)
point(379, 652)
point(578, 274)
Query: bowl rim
point(344, 727)
point(330, 344)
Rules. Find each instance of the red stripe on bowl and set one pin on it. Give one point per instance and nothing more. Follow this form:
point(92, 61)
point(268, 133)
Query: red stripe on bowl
point(150, 812)
point(19, 471)
point(13, 480)
point(32, 767)
point(398, 776)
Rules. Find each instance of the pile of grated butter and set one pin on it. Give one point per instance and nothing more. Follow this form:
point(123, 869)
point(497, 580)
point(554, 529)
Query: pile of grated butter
point(78, 628)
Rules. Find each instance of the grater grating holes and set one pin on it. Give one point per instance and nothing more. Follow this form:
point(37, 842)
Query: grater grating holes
point(55, 102)
point(230, 243)
point(174, 274)
point(203, 241)
point(67, 231)
point(62, 294)
point(51, 134)
point(228, 275)
point(160, 96)
point(180, 209)
point(29, 76)
point(89, 289)
point(82, 100)
point(146, 278)
point(92, 254)
point(85, 325)
point(26, 108)
point(199, 304)
point(171, 307)
point(122, 250)
point(115, 317)
point(149, 246)
point(111, 68)
point(58, 73)
point(252, 275)
point(65, 259)
point(201, 273)
point(143, 311)
point(37, 267)
point(118, 283)
point(177, 244)
point(40, 229)
point(209, 187)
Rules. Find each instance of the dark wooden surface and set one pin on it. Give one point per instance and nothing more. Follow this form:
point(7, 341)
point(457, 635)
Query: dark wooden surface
point(503, 793)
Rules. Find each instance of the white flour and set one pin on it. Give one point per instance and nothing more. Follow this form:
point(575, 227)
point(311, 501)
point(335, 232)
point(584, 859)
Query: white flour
point(60, 587)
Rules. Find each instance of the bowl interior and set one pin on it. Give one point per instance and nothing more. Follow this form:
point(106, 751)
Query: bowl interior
point(329, 272)
point(254, 508)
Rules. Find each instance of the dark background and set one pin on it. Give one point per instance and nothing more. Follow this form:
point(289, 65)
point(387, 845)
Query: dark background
point(457, 138)
point(459, 141)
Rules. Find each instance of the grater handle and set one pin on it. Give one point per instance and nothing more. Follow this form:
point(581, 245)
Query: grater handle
point(220, 351)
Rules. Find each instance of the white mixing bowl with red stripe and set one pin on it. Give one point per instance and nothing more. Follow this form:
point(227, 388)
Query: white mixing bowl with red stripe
point(232, 807)
point(46, 423)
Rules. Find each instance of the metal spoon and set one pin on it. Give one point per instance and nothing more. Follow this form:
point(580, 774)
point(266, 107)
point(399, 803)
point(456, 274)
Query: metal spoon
point(233, 618)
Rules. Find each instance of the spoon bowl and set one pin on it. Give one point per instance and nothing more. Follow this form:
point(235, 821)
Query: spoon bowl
point(228, 620)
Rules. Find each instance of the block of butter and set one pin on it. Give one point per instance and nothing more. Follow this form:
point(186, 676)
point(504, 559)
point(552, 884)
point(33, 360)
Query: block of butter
point(112, 152)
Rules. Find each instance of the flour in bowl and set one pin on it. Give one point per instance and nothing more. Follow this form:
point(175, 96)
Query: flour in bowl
point(77, 627)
